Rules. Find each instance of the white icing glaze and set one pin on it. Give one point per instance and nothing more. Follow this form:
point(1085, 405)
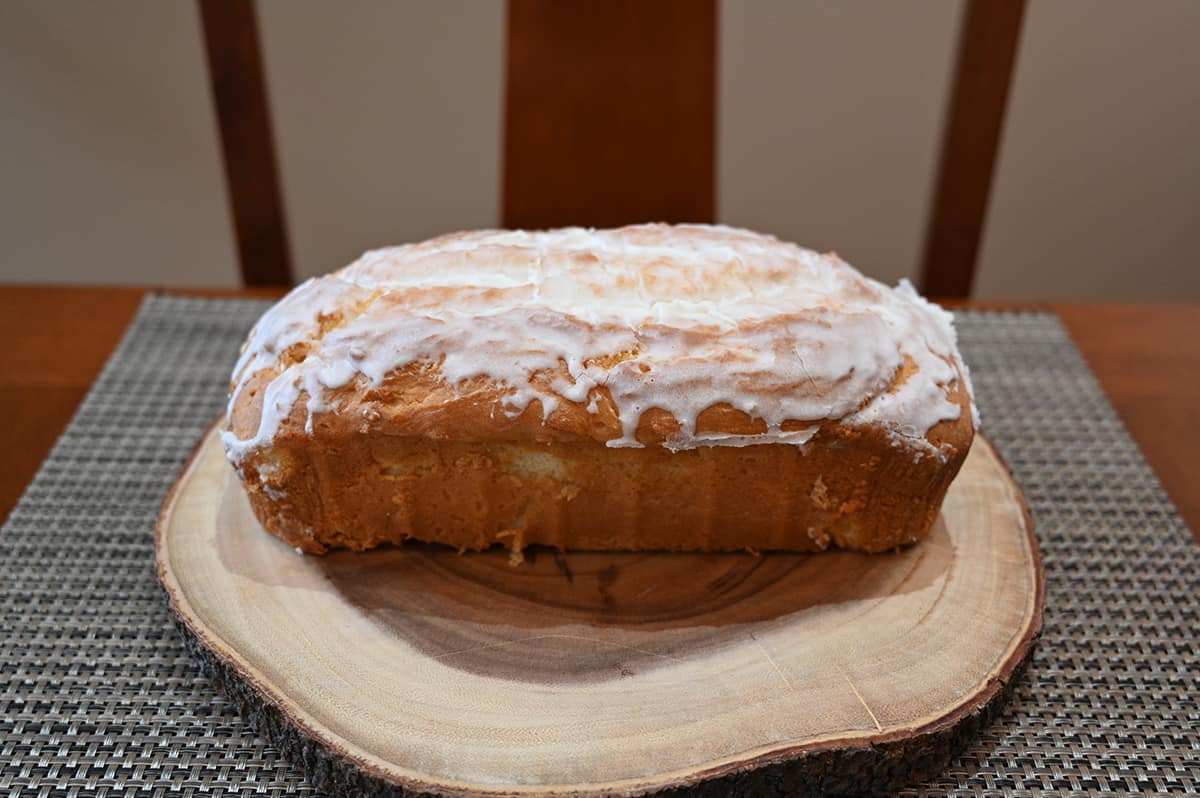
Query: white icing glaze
point(701, 314)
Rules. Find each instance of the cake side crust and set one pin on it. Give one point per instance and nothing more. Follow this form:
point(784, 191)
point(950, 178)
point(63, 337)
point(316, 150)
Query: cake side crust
point(849, 487)
point(689, 387)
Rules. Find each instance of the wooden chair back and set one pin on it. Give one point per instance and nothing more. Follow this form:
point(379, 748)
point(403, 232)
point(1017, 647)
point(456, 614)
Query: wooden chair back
point(610, 118)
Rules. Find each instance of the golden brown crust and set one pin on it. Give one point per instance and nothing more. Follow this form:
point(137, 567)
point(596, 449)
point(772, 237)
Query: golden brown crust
point(389, 481)
point(822, 409)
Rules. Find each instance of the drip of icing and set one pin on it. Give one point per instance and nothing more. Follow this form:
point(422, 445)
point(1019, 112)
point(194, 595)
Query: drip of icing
point(698, 315)
point(797, 437)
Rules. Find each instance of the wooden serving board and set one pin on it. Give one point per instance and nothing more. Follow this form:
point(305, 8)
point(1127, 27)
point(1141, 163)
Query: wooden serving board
point(419, 670)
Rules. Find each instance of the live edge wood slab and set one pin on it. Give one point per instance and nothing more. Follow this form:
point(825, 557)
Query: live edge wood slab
point(415, 670)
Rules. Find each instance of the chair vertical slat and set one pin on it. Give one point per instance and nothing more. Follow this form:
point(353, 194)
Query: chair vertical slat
point(610, 112)
point(987, 52)
point(247, 145)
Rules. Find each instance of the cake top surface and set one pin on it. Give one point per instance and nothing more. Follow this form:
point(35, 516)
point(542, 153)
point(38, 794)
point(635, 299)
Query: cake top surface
point(679, 318)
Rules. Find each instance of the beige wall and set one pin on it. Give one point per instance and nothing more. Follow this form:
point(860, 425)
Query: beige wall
point(388, 118)
point(109, 163)
point(830, 119)
point(1097, 190)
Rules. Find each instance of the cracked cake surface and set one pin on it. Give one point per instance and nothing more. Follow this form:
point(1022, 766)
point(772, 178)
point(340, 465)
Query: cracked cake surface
point(649, 357)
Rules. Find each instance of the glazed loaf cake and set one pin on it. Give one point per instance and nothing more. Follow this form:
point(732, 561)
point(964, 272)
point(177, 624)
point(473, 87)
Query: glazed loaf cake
point(647, 388)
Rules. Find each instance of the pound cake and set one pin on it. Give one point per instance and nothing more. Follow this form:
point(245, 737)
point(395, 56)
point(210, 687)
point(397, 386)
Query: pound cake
point(655, 387)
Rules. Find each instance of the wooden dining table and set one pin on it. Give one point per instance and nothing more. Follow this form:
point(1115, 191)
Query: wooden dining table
point(1145, 356)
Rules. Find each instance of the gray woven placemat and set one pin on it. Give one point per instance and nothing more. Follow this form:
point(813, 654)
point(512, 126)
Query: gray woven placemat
point(100, 699)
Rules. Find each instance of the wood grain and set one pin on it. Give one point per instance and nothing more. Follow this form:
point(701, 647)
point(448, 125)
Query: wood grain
point(247, 144)
point(603, 673)
point(987, 51)
point(610, 112)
